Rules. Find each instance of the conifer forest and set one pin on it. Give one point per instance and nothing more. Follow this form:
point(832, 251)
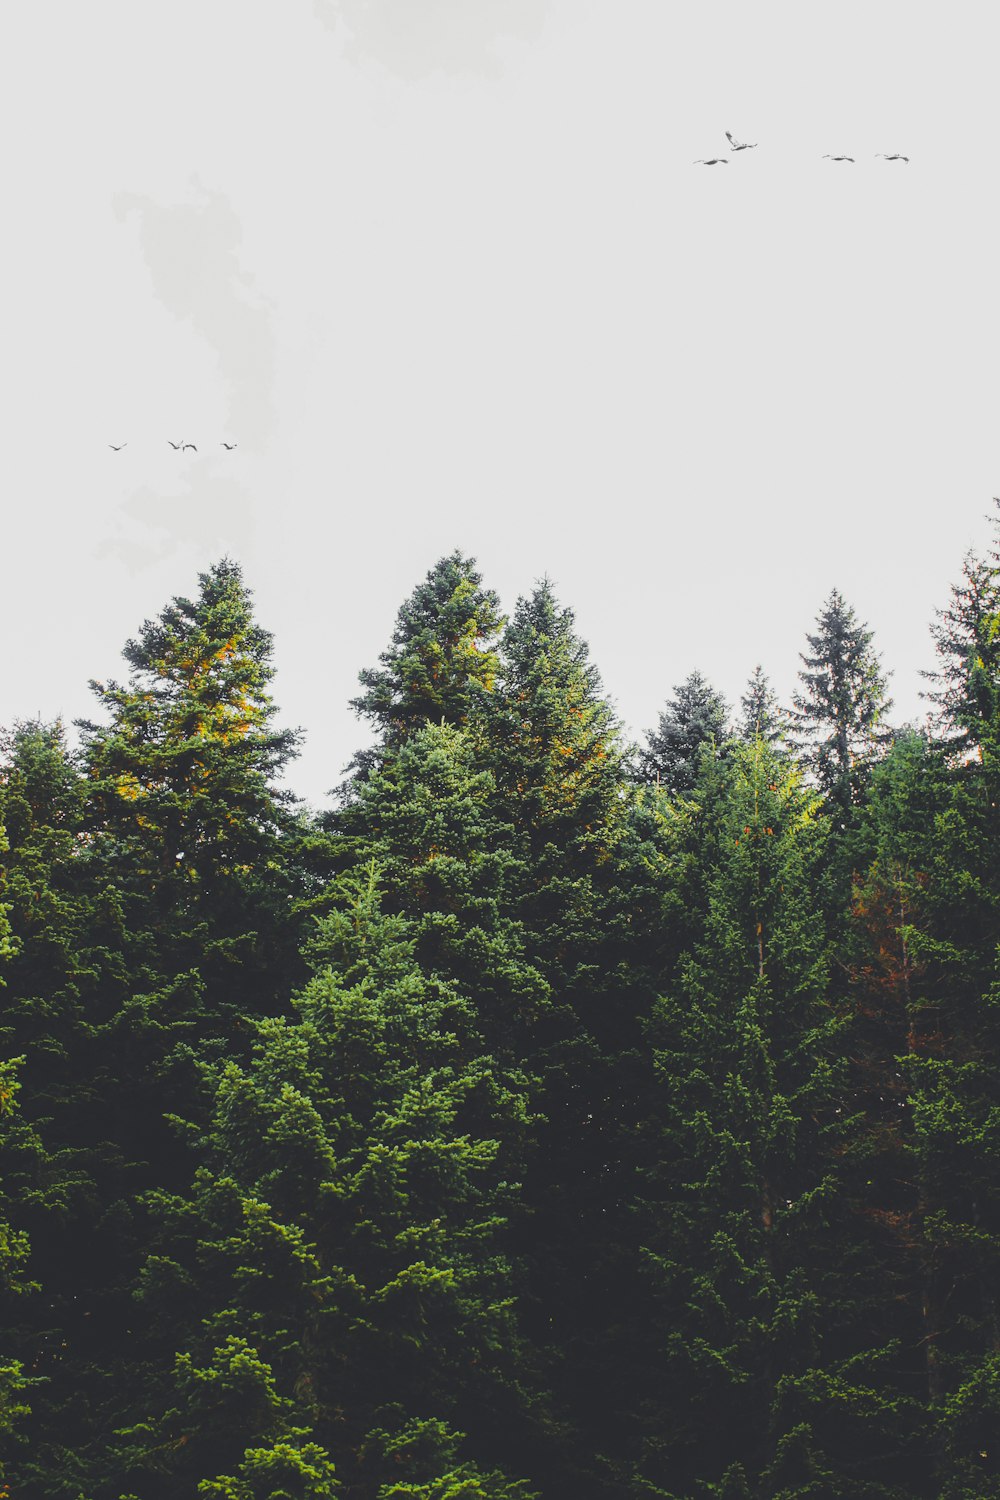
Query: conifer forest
point(554, 1118)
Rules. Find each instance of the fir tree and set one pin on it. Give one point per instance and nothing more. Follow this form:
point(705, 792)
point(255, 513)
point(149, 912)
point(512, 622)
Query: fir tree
point(762, 717)
point(695, 717)
point(441, 659)
point(841, 709)
point(346, 1302)
point(741, 1388)
point(554, 748)
point(967, 640)
point(157, 904)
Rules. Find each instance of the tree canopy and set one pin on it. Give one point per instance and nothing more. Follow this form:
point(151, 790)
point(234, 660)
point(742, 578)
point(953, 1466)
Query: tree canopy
point(546, 1120)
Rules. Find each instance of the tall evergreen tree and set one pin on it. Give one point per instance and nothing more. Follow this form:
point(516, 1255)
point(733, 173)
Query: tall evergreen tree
point(744, 1385)
point(186, 807)
point(554, 748)
point(157, 912)
point(696, 716)
point(338, 1271)
point(840, 711)
point(441, 659)
point(762, 717)
point(967, 642)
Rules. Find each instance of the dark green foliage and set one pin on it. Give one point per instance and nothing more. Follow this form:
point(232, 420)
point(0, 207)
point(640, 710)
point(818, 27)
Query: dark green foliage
point(740, 1191)
point(525, 1128)
point(841, 709)
point(694, 718)
point(441, 660)
point(339, 1269)
point(967, 641)
point(20, 1153)
point(762, 717)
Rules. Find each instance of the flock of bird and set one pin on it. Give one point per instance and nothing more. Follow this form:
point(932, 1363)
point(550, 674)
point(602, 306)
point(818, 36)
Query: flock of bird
point(735, 145)
point(178, 447)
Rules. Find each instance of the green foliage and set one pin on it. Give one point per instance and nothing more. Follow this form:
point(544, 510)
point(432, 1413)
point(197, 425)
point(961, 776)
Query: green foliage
point(523, 1129)
point(281, 1472)
point(441, 660)
point(694, 719)
point(842, 705)
point(762, 717)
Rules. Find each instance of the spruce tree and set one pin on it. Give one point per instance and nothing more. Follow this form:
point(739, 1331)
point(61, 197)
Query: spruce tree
point(555, 752)
point(840, 711)
point(187, 812)
point(440, 661)
point(695, 717)
point(741, 1384)
point(337, 1274)
point(762, 717)
point(967, 642)
point(157, 900)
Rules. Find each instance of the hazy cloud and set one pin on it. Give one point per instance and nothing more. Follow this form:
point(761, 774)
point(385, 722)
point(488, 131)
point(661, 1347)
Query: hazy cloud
point(414, 38)
point(214, 513)
point(192, 252)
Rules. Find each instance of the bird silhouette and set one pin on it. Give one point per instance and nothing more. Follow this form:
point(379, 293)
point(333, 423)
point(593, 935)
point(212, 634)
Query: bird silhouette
point(828, 157)
point(735, 145)
point(174, 445)
point(188, 445)
point(230, 446)
point(711, 161)
point(119, 448)
point(892, 156)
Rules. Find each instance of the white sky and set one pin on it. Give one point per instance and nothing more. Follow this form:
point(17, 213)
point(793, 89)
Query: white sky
point(446, 273)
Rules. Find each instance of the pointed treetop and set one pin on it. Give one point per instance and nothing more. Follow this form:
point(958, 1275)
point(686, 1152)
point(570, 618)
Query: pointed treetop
point(966, 634)
point(695, 717)
point(441, 656)
point(555, 739)
point(762, 717)
point(840, 712)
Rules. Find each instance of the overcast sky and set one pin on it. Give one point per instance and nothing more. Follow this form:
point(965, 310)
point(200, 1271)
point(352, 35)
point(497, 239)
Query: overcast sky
point(446, 273)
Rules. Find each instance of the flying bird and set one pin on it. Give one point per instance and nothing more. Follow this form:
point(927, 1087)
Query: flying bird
point(119, 448)
point(188, 445)
point(735, 145)
point(711, 161)
point(230, 446)
point(892, 156)
point(828, 157)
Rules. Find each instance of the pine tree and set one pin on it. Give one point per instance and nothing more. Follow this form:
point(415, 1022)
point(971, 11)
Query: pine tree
point(695, 717)
point(440, 662)
point(841, 709)
point(338, 1270)
point(741, 1387)
point(553, 746)
point(155, 905)
point(967, 641)
point(762, 717)
point(187, 813)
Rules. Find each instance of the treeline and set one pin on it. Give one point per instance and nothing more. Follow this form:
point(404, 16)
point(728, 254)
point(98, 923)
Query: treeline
point(554, 1118)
